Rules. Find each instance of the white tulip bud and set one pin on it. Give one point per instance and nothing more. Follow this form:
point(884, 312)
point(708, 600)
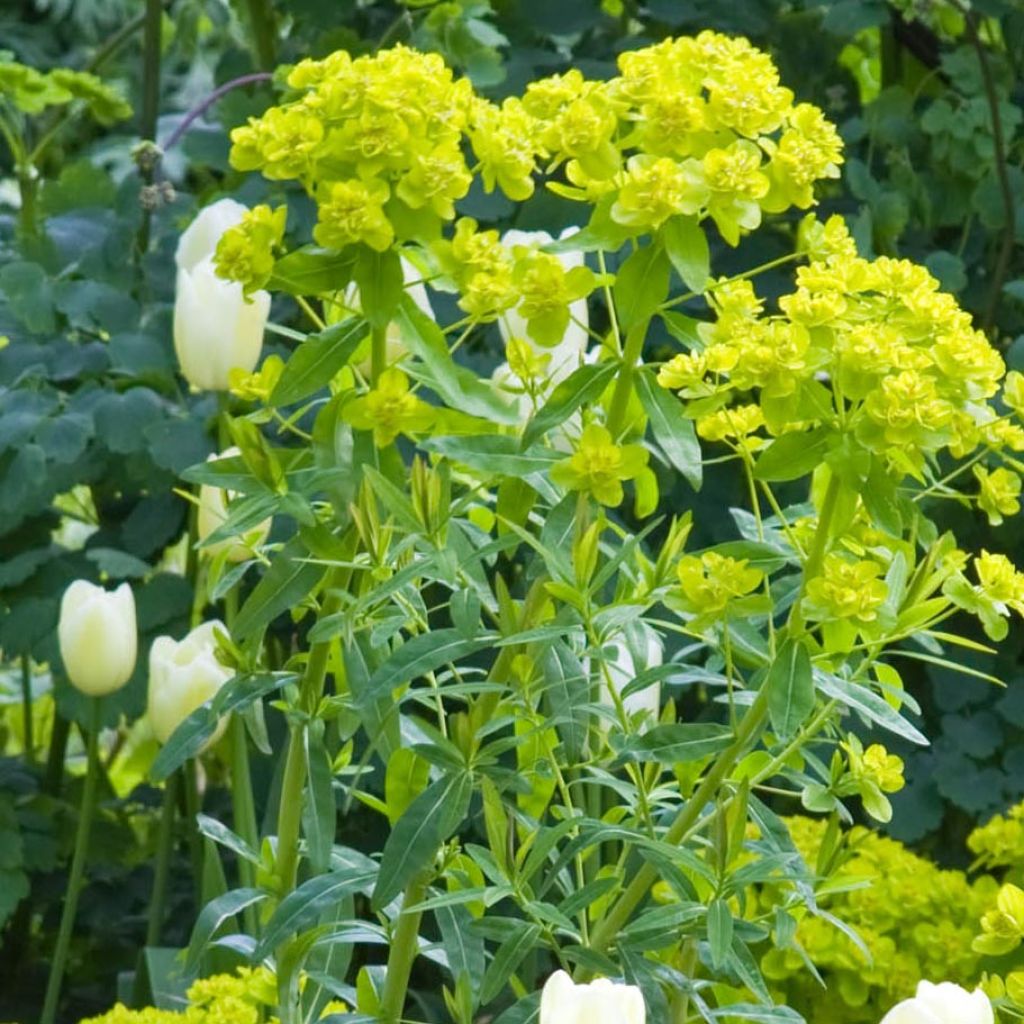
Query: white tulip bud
point(622, 669)
point(199, 240)
point(97, 635)
point(599, 1002)
point(216, 328)
point(945, 1003)
point(183, 675)
point(567, 355)
point(212, 513)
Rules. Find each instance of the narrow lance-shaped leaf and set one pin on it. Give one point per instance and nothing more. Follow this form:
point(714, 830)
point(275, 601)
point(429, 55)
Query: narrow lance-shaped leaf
point(671, 429)
point(790, 685)
point(315, 362)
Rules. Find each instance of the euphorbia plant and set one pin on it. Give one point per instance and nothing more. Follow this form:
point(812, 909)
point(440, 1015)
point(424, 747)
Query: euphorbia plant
point(478, 602)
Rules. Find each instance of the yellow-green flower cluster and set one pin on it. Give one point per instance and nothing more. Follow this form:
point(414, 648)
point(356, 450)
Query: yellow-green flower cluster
point(695, 126)
point(32, 91)
point(917, 921)
point(245, 252)
point(246, 997)
point(871, 349)
point(999, 843)
point(493, 278)
point(848, 588)
point(378, 140)
point(711, 581)
point(599, 465)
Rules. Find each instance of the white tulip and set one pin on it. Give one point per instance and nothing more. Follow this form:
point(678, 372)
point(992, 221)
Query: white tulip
point(97, 636)
point(599, 1002)
point(945, 1003)
point(212, 513)
point(183, 675)
point(200, 238)
point(216, 328)
point(623, 669)
point(567, 355)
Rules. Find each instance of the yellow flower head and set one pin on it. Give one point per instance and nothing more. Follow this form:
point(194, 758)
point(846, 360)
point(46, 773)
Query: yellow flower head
point(846, 589)
point(1000, 493)
point(599, 465)
point(245, 252)
point(711, 581)
point(389, 409)
point(882, 768)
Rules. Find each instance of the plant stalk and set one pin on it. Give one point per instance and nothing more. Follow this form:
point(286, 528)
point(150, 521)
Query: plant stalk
point(289, 815)
point(26, 710)
point(631, 353)
point(244, 809)
point(404, 949)
point(264, 33)
point(78, 858)
point(164, 848)
point(378, 353)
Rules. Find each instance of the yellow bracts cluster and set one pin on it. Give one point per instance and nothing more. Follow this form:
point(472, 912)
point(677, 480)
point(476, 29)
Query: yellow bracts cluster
point(870, 348)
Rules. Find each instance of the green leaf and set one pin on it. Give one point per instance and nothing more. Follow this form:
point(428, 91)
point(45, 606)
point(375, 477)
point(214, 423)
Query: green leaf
point(687, 248)
point(671, 429)
point(567, 690)
point(424, 653)
point(508, 956)
point(676, 742)
point(581, 387)
point(858, 697)
point(457, 386)
point(405, 777)
point(319, 812)
point(641, 285)
point(315, 362)
point(302, 907)
point(381, 283)
point(30, 295)
point(464, 946)
point(790, 686)
point(494, 454)
point(221, 834)
point(312, 271)
point(719, 931)
point(213, 915)
point(759, 1014)
point(285, 584)
point(431, 818)
point(792, 456)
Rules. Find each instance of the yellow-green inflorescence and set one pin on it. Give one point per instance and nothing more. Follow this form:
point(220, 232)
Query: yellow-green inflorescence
point(246, 997)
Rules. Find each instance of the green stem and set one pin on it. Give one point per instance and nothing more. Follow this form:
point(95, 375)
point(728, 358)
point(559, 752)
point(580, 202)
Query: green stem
point(610, 926)
point(55, 758)
point(261, 21)
point(67, 919)
point(150, 107)
point(26, 709)
point(164, 848)
point(244, 810)
point(289, 815)
point(624, 384)
point(378, 353)
point(404, 948)
point(195, 843)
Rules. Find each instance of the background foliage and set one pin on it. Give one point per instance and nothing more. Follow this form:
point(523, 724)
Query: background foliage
point(95, 426)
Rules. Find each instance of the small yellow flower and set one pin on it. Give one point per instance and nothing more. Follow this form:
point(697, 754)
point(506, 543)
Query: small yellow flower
point(353, 211)
point(735, 423)
point(257, 386)
point(1000, 493)
point(599, 466)
point(389, 409)
point(846, 589)
point(883, 768)
point(711, 581)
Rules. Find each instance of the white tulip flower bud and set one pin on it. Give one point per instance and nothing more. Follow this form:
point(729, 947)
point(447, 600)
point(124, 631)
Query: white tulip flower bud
point(944, 1003)
point(216, 328)
point(183, 675)
point(98, 637)
point(213, 511)
point(599, 1002)
point(199, 240)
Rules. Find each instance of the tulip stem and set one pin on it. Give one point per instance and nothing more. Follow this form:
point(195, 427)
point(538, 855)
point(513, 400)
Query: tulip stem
point(164, 847)
point(67, 918)
point(245, 813)
point(26, 710)
point(195, 844)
